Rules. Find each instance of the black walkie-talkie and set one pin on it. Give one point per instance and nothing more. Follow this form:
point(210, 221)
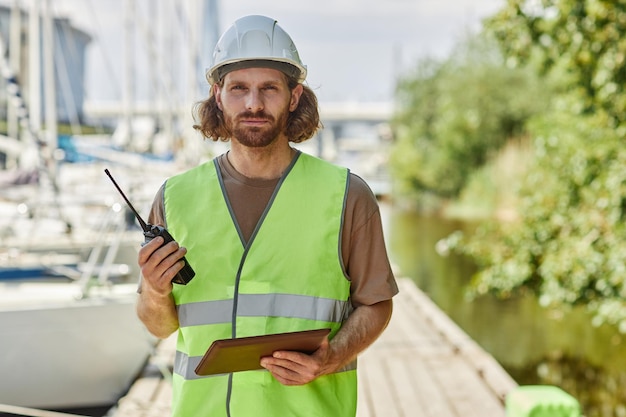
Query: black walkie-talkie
point(150, 232)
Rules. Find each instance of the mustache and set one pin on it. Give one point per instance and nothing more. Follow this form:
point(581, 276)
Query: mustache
point(255, 115)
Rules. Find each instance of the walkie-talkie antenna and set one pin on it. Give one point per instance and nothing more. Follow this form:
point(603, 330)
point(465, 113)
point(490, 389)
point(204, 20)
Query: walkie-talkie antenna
point(143, 224)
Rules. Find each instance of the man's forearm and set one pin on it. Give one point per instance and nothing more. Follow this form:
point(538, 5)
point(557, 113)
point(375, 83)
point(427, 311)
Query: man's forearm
point(158, 313)
point(361, 329)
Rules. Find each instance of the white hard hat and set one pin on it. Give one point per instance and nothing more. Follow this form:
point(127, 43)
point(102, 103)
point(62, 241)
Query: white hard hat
point(255, 41)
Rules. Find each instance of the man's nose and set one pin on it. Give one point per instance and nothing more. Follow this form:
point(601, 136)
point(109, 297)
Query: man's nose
point(254, 101)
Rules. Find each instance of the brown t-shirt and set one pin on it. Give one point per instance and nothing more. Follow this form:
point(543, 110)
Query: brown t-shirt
point(362, 248)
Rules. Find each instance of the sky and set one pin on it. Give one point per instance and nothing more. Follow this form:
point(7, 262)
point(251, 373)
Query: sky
point(354, 49)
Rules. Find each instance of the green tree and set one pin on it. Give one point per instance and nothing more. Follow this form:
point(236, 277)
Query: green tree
point(583, 39)
point(454, 114)
point(569, 243)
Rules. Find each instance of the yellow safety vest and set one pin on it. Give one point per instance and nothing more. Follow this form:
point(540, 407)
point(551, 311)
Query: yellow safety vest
point(288, 277)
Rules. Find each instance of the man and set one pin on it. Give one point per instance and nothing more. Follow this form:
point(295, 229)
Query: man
point(280, 241)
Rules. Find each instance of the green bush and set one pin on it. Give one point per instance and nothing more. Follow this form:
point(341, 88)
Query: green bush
point(569, 243)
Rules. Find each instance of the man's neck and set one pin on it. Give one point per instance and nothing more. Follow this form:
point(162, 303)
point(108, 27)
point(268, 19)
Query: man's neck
point(263, 163)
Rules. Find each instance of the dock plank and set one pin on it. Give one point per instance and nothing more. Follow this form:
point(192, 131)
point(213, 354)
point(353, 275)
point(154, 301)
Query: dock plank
point(434, 401)
point(423, 365)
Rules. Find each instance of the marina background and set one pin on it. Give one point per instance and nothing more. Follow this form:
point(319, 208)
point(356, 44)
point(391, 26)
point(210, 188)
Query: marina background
point(354, 51)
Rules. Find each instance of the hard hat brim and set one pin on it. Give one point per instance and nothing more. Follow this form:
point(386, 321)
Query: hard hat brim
point(217, 73)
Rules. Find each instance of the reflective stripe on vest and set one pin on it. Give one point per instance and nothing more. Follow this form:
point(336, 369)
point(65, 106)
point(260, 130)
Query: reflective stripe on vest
point(263, 305)
point(184, 366)
point(288, 277)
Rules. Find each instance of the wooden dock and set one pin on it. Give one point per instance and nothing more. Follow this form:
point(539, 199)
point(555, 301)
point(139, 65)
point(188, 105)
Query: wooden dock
point(423, 365)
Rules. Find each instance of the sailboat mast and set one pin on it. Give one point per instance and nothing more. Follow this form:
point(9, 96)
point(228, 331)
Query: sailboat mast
point(129, 73)
point(50, 108)
point(34, 66)
point(203, 32)
point(15, 57)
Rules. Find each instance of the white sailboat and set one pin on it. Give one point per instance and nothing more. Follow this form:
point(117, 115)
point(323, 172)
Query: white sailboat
point(60, 350)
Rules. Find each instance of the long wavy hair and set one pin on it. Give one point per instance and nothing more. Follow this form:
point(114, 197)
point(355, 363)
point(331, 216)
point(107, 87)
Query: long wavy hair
point(302, 123)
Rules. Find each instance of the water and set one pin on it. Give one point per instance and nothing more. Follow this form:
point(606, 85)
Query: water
point(534, 345)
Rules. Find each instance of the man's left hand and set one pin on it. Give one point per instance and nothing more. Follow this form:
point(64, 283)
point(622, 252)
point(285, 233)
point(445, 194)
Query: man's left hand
point(296, 368)
point(363, 326)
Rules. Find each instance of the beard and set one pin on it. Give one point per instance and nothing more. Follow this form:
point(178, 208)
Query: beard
point(256, 137)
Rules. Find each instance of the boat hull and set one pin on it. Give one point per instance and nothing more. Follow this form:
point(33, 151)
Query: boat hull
point(57, 351)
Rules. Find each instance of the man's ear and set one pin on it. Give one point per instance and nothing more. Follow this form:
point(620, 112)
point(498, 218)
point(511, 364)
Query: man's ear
point(217, 93)
point(295, 97)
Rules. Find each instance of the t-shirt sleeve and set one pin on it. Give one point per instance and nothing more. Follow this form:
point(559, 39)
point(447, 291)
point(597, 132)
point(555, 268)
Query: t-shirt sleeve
point(157, 211)
point(364, 251)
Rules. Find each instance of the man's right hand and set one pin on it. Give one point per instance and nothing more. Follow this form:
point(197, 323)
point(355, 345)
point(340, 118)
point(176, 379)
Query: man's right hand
point(159, 265)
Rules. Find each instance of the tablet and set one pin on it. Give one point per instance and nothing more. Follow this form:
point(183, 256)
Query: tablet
point(245, 353)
